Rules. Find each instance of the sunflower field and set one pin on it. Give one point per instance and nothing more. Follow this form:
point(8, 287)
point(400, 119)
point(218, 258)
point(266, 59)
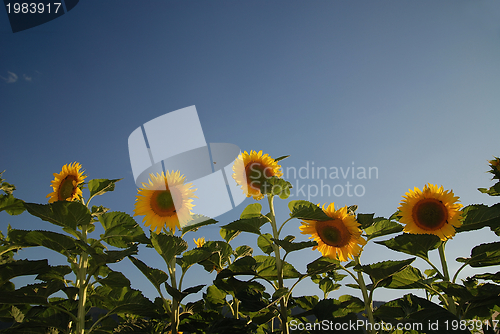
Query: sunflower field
point(253, 291)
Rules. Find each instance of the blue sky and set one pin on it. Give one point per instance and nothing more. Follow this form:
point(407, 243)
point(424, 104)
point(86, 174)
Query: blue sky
point(408, 87)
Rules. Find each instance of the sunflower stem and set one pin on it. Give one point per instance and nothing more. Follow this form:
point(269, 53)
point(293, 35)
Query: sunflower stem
point(279, 266)
point(442, 256)
point(174, 315)
point(366, 298)
point(82, 286)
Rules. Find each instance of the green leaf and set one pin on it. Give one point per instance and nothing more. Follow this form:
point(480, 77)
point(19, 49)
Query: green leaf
point(492, 191)
point(191, 257)
point(382, 227)
point(180, 295)
point(251, 225)
point(408, 278)
point(307, 211)
point(11, 205)
point(60, 243)
point(478, 216)
point(228, 235)
point(168, 246)
point(267, 268)
point(54, 273)
point(22, 268)
point(382, 270)
point(215, 295)
point(488, 276)
point(276, 186)
point(197, 222)
point(265, 244)
point(221, 255)
point(281, 158)
point(280, 293)
point(484, 255)
point(17, 314)
point(322, 265)
point(122, 300)
point(61, 213)
point(243, 266)
point(413, 244)
point(100, 186)
point(251, 211)
point(31, 294)
point(365, 220)
point(155, 276)
point(290, 246)
point(242, 251)
point(306, 302)
point(121, 230)
point(326, 285)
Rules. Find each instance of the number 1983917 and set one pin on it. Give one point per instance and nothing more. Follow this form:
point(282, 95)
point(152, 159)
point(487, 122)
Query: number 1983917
point(32, 8)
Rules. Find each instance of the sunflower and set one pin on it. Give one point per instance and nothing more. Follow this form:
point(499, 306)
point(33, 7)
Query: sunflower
point(251, 170)
point(431, 211)
point(495, 167)
point(66, 184)
point(339, 238)
point(199, 242)
point(165, 202)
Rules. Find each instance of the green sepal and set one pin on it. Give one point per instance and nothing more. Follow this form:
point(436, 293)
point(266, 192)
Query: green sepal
point(413, 244)
point(307, 211)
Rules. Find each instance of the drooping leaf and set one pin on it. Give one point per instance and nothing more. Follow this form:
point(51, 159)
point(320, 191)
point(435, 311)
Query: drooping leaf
point(365, 220)
point(180, 295)
point(228, 235)
point(61, 213)
point(243, 266)
point(156, 276)
point(289, 246)
point(408, 278)
point(251, 225)
point(413, 244)
point(265, 243)
point(197, 222)
point(191, 257)
point(22, 268)
point(381, 227)
point(60, 243)
point(215, 295)
point(100, 186)
point(11, 205)
point(306, 210)
point(322, 265)
point(54, 273)
point(382, 270)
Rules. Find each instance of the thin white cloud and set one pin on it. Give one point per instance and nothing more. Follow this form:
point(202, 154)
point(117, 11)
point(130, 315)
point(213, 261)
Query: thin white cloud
point(11, 78)
point(27, 78)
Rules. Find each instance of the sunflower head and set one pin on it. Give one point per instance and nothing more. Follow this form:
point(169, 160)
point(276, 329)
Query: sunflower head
point(495, 167)
point(199, 242)
point(66, 184)
point(431, 211)
point(165, 202)
point(252, 169)
point(338, 238)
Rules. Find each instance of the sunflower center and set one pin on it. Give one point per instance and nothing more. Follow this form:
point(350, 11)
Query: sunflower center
point(163, 203)
point(430, 214)
point(333, 233)
point(67, 187)
point(257, 173)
